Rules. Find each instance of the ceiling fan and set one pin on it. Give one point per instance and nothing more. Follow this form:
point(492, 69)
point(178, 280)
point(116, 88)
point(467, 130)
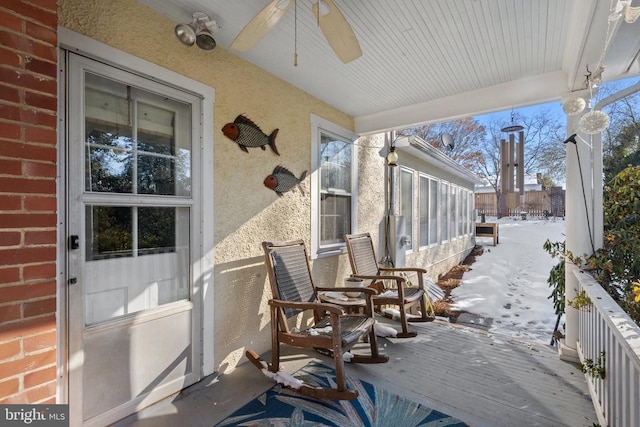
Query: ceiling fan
point(334, 26)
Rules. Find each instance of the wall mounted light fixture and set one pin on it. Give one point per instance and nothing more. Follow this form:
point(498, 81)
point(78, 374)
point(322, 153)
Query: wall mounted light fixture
point(199, 31)
point(392, 157)
point(399, 141)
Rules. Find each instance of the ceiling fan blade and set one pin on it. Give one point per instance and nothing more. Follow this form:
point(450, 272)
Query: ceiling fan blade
point(260, 25)
point(337, 31)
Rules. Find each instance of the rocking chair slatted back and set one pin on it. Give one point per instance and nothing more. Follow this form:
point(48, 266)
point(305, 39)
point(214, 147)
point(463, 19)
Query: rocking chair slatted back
point(363, 260)
point(292, 281)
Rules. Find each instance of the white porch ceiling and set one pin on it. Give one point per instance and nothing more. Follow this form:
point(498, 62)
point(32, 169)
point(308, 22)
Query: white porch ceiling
point(426, 61)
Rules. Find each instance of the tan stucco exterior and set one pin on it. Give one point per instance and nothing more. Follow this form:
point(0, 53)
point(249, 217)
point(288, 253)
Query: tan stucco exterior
point(245, 212)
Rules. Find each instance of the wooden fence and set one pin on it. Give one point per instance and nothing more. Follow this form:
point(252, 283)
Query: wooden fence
point(537, 204)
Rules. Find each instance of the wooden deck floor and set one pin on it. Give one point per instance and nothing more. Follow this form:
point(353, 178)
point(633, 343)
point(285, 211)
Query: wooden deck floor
point(483, 380)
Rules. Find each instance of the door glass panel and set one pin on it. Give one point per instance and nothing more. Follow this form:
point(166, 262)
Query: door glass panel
point(108, 231)
point(131, 133)
point(137, 254)
point(108, 136)
point(138, 258)
point(156, 230)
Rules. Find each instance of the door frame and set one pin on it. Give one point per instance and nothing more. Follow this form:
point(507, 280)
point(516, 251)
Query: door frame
point(203, 264)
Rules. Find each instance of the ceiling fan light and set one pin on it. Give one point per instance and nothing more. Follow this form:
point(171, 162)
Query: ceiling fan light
point(186, 33)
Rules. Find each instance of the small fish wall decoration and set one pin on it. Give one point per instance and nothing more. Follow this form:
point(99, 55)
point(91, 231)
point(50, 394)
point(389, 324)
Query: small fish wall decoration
point(245, 133)
point(282, 180)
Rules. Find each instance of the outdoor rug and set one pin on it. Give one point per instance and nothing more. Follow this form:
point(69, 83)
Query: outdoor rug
point(375, 406)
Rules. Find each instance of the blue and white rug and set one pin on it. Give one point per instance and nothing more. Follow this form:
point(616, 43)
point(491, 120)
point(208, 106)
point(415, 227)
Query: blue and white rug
point(375, 406)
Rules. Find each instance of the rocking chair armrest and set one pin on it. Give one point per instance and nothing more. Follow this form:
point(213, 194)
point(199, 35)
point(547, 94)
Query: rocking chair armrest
point(420, 272)
point(367, 293)
point(316, 306)
point(401, 282)
point(348, 289)
point(378, 277)
point(381, 277)
point(415, 269)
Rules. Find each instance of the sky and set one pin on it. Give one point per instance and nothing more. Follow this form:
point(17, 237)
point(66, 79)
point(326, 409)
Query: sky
point(507, 285)
point(555, 107)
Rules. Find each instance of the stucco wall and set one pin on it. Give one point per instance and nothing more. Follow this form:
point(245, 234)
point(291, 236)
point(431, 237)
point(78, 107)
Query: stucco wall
point(246, 213)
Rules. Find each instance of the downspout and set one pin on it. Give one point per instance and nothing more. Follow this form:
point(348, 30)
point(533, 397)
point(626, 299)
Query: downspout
point(390, 199)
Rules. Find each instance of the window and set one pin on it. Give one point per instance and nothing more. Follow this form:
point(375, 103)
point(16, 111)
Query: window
point(428, 211)
point(453, 202)
point(433, 211)
point(423, 233)
point(467, 211)
point(333, 186)
point(461, 211)
point(406, 200)
point(444, 211)
point(470, 212)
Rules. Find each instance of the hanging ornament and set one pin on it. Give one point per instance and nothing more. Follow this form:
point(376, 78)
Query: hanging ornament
point(594, 122)
point(573, 106)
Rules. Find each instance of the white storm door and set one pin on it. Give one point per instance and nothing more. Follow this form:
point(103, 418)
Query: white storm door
point(134, 314)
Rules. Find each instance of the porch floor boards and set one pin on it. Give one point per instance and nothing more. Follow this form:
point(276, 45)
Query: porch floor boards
point(482, 379)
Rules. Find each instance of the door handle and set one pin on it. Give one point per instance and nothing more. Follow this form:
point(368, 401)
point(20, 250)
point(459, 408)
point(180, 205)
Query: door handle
point(74, 242)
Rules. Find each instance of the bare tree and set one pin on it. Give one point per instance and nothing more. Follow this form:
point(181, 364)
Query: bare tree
point(621, 139)
point(467, 133)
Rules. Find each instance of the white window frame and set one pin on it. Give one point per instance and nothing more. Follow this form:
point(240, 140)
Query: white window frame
point(431, 203)
point(318, 126)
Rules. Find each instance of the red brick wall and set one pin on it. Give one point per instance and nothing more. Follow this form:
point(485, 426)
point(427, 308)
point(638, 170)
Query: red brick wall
point(28, 103)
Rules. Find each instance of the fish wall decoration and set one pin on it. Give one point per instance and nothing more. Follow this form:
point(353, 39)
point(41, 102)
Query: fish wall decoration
point(282, 180)
point(244, 132)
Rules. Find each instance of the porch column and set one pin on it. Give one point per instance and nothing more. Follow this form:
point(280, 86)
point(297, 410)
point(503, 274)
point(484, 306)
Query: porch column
point(583, 216)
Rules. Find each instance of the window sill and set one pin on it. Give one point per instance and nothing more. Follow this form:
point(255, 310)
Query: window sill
point(329, 252)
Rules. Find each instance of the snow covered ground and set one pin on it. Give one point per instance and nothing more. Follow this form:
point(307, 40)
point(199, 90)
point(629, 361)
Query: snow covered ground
point(507, 285)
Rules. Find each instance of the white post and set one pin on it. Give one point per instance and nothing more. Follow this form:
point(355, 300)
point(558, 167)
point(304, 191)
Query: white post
point(579, 228)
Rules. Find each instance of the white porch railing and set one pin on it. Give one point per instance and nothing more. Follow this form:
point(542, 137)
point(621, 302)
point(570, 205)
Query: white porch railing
point(605, 327)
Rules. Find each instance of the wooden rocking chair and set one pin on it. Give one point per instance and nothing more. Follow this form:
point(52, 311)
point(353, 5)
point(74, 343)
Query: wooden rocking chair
point(364, 265)
point(332, 331)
